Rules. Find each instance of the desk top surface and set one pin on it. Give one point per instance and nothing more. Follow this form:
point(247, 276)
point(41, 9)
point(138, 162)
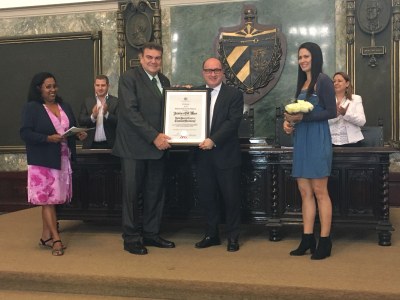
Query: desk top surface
point(262, 148)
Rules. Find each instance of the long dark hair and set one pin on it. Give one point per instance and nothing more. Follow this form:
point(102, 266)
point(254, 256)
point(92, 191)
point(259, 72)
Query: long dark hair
point(34, 93)
point(316, 68)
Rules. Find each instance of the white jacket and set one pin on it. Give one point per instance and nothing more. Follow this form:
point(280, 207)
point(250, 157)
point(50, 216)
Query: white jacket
point(353, 120)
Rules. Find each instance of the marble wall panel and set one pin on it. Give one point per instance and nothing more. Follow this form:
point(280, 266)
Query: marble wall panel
point(12, 162)
point(193, 31)
point(340, 35)
point(189, 32)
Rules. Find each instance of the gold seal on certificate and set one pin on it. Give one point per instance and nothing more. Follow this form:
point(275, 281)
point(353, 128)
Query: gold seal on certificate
point(186, 115)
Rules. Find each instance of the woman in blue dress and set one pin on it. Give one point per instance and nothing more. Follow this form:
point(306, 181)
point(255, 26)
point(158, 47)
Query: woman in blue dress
point(312, 149)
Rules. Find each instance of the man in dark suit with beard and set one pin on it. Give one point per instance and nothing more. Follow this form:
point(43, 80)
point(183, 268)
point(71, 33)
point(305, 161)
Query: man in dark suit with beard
point(219, 159)
point(140, 144)
point(99, 111)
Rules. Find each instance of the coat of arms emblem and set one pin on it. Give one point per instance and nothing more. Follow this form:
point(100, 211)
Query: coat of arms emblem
point(252, 55)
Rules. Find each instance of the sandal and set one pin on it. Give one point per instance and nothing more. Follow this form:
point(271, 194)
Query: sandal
point(60, 251)
point(44, 244)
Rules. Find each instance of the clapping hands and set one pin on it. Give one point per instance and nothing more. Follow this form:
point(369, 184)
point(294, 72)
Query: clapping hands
point(340, 110)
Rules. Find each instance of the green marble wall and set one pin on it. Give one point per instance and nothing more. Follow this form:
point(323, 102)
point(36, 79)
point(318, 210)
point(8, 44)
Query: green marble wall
point(193, 31)
point(188, 38)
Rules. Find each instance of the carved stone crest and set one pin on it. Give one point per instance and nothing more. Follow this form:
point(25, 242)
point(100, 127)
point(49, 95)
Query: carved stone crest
point(138, 21)
point(252, 55)
point(373, 17)
point(138, 29)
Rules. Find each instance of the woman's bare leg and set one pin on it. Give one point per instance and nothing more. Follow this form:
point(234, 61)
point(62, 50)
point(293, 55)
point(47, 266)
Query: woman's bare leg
point(50, 223)
point(308, 204)
point(320, 188)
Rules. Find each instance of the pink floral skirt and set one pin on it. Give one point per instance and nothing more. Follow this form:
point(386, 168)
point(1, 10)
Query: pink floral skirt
point(51, 186)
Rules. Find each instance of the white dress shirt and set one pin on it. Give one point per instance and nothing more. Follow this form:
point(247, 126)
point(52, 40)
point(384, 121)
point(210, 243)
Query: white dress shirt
point(158, 81)
point(100, 135)
point(214, 96)
point(347, 129)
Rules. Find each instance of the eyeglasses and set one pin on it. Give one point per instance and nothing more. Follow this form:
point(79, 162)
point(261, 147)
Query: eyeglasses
point(210, 71)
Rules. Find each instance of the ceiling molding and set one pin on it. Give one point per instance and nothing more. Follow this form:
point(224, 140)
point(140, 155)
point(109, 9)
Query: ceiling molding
point(165, 3)
point(106, 5)
point(59, 9)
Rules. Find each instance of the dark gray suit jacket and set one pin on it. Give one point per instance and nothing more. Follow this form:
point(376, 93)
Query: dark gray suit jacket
point(227, 115)
point(110, 124)
point(140, 116)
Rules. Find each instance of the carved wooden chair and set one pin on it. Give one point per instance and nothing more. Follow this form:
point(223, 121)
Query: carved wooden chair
point(373, 136)
point(246, 127)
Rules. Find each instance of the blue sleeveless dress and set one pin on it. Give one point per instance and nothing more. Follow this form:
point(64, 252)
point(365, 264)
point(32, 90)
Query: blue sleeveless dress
point(312, 145)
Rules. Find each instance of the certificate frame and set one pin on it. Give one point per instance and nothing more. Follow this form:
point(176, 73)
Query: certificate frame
point(186, 115)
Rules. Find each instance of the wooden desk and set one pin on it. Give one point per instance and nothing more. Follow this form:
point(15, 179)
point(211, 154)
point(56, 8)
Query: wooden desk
point(358, 187)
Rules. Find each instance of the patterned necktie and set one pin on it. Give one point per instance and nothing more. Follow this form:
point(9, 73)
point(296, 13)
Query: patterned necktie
point(154, 80)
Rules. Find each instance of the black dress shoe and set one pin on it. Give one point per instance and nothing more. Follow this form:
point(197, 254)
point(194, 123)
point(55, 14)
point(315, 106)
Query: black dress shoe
point(208, 241)
point(158, 242)
point(135, 248)
point(233, 245)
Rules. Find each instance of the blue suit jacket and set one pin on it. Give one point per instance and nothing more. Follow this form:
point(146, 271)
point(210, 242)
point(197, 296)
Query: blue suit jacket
point(36, 127)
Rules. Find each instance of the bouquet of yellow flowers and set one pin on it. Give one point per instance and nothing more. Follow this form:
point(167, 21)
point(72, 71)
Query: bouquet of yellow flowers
point(299, 106)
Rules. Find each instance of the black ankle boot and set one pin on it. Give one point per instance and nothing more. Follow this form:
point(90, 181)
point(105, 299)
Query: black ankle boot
point(307, 242)
point(324, 248)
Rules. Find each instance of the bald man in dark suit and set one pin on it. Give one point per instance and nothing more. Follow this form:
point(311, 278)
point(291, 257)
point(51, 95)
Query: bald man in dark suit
point(219, 159)
point(141, 144)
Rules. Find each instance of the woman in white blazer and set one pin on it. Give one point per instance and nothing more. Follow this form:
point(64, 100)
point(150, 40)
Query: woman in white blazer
point(346, 127)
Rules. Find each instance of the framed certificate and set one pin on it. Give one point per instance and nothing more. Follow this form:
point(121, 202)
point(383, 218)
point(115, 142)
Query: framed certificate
point(186, 115)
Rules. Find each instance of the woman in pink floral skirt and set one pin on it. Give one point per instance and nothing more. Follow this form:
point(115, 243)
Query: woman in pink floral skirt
point(45, 118)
